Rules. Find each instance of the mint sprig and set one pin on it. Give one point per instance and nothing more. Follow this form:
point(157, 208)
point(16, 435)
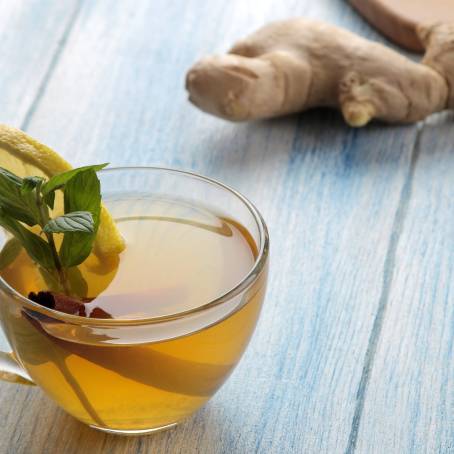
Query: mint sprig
point(26, 202)
point(82, 192)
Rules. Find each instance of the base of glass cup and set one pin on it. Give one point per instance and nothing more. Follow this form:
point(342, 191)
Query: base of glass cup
point(135, 433)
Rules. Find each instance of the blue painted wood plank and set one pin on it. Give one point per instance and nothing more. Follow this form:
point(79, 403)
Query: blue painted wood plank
point(32, 33)
point(329, 193)
point(409, 405)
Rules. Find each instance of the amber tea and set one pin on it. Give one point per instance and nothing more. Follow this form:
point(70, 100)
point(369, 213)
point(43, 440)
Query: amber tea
point(180, 256)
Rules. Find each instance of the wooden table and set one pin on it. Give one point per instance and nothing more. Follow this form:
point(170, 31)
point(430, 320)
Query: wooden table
point(354, 352)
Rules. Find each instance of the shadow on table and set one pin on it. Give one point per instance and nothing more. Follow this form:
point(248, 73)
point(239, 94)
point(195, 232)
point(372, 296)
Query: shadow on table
point(321, 134)
point(78, 438)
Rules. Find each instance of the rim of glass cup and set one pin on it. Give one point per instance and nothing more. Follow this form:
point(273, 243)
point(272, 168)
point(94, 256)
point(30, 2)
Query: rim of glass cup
point(244, 283)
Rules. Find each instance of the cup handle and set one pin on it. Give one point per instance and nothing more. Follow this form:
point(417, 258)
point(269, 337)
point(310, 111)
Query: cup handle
point(11, 370)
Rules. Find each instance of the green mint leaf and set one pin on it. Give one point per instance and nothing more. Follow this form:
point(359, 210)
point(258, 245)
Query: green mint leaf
point(17, 205)
point(77, 282)
point(51, 279)
point(77, 221)
point(30, 183)
point(9, 252)
point(17, 213)
point(82, 193)
point(49, 199)
point(14, 179)
point(38, 249)
point(58, 181)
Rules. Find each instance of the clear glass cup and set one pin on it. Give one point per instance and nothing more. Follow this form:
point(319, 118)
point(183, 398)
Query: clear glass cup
point(138, 376)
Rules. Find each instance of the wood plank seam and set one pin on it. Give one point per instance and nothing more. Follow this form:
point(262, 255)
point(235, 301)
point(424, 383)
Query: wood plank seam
point(388, 271)
point(52, 65)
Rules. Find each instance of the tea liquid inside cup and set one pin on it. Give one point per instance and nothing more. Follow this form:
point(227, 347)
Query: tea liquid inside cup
point(179, 256)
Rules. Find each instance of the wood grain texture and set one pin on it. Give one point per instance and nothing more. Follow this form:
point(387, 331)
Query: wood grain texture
point(333, 198)
point(32, 34)
point(410, 403)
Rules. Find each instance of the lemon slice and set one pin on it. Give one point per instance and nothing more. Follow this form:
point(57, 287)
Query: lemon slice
point(25, 156)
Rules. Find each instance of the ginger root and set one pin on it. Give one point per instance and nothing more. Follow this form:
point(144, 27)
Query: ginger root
point(297, 64)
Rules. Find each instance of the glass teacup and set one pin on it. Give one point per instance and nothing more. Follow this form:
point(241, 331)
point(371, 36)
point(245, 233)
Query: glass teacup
point(140, 374)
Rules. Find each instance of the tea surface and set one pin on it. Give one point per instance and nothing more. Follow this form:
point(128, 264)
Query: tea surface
point(178, 257)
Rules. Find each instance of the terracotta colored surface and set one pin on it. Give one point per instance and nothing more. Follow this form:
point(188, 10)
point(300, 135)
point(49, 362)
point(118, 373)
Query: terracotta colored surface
point(398, 19)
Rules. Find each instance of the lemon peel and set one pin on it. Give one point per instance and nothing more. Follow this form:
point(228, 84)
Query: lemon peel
point(22, 155)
